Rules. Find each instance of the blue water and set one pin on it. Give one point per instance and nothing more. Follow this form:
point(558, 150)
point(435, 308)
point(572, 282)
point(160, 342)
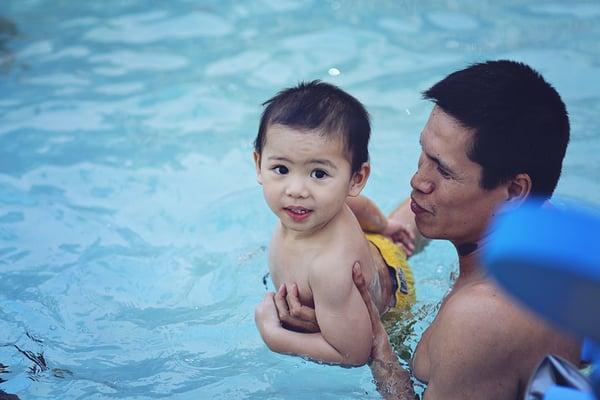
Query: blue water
point(132, 231)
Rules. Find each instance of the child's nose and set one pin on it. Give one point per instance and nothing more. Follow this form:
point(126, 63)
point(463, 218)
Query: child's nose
point(296, 188)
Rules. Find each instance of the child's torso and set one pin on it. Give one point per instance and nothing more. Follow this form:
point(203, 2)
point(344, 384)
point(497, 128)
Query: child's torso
point(343, 240)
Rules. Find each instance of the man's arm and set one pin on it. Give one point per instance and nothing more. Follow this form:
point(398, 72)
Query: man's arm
point(392, 381)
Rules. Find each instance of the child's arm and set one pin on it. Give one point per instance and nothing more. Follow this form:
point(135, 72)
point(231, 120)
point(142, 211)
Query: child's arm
point(369, 216)
point(281, 340)
point(400, 226)
point(345, 336)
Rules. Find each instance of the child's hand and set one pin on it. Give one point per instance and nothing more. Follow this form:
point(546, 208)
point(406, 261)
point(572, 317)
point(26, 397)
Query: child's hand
point(292, 314)
point(265, 316)
point(401, 235)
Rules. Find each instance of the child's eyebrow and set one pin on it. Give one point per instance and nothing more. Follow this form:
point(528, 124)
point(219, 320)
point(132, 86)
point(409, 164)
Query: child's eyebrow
point(323, 162)
point(318, 161)
point(274, 158)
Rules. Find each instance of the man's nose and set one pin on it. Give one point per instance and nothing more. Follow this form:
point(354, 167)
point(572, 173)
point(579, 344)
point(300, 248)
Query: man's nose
point(420, 182)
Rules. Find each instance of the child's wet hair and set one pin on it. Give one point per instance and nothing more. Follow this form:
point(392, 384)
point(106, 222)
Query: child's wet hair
point(324, 108)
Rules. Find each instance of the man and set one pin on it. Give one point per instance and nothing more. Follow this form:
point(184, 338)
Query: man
point(497, 135)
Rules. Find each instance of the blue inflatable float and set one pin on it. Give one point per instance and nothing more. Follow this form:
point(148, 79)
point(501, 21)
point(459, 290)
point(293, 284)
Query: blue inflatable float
point(549, 259)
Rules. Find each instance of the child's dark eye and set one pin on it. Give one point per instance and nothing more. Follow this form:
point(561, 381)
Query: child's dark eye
point(281, 169)
point(318, 174)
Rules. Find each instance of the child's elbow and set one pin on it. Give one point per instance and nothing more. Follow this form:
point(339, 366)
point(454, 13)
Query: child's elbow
point(357, 357)
point(355, 349)
point(273, 344)
point(356, 362)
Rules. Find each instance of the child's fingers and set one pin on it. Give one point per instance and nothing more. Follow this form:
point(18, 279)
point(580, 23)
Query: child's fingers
point(410, 233)
point(281, 303)
point(293, 300)
point(304, 317)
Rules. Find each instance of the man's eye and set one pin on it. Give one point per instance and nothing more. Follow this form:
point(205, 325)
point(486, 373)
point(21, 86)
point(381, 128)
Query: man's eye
point(280, 169)
point(318, 174)
point(444, 173)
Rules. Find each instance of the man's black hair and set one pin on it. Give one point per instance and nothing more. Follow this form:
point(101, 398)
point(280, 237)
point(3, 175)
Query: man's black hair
point(519, 121)
point(322, 107)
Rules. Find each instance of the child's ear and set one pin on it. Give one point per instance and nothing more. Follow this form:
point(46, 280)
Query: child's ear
point(257, 166)
point(359, 179)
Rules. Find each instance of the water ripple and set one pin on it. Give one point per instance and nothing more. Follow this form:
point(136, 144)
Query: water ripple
point(155, 26)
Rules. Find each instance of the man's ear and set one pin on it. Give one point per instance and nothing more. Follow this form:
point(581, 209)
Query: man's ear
point(518, 189)
point(257, 166)
point(359, 179)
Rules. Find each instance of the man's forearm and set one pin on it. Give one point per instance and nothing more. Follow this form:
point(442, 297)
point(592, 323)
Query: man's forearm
point(392, 381)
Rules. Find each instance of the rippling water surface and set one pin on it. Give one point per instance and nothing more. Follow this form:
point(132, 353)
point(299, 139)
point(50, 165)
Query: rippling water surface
point(132, 231)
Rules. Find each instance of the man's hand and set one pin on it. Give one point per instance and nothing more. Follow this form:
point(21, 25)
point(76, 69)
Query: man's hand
point(392, 381)
point(381, 348)
point(292, 314)
point(401, 235)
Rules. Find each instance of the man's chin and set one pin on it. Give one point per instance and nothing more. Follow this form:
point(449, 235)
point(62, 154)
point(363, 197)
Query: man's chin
point(425, 230)
point(430, 233)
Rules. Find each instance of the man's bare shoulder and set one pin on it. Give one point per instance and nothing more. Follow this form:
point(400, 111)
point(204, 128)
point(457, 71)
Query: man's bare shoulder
point(486, 307)
point(482, 316)
point(486, 315)
point(481, 327)
point(483, 339)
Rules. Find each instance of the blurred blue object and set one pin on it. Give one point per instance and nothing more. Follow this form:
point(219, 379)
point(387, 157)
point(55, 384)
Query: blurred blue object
point(549, 258)
point(556, 371)
point(590, 351)
point(561, 393)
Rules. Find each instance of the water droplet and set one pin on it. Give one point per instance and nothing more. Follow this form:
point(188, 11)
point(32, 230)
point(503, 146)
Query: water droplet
point(407, 111)
point(334, 71)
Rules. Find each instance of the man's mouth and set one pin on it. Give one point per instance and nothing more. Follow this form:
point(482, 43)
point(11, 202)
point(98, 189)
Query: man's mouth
point(416, 208)
point(297, 213)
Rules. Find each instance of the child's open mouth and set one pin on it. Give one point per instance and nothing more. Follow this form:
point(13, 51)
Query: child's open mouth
point(298, 213)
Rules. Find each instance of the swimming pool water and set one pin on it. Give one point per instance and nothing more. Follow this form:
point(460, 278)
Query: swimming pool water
point(132, 231)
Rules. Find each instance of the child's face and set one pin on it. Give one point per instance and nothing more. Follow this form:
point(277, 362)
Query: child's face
point(306, 177)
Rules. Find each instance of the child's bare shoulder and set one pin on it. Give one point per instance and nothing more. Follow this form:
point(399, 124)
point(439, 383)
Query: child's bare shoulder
point(341, 252)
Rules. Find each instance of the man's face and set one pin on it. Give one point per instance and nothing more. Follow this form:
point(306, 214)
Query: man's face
point(447, 199)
